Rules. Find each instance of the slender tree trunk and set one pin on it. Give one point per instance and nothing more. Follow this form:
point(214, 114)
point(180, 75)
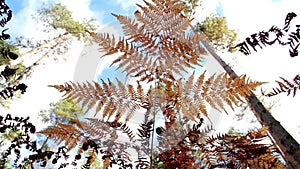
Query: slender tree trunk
point(30, 69)
point(286, 144)
point(35, 50)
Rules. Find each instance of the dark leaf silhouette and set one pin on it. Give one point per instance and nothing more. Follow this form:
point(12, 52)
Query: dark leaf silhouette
point(36, 155)
point(264, 38)
point(289, 87)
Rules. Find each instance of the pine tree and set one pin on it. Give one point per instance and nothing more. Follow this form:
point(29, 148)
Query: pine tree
point(57, 19)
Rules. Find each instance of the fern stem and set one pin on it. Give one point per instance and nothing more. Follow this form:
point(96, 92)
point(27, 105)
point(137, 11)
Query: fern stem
point(2, 141)
point(44, 143)
point(152, 141)
point(153, 125)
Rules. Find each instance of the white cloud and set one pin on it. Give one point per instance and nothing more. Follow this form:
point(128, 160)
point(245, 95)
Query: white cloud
point(125, 4)
point(206, 8)
point(22, 23)
point(81, 10)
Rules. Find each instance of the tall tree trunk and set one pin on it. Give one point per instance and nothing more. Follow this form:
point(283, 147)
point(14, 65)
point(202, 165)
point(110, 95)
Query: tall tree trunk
point(35, 50)
point(53, 44)
point(286, 144)
point(30, 69)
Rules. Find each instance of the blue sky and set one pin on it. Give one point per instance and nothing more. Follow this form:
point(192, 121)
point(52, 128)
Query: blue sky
point(107, 7)
point(99, 9)
point(219, 10)
point(104, 7)
point(15, 5)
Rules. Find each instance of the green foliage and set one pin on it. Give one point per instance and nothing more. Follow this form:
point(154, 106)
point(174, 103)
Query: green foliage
point(233, 132)
point(189, 7)
point(8, 136)
point(5, 53)
point(96, 164)
point(20, 70)
point(6, 47)
point(214, 26)
point(58, 16)
point(61, 112)
point(216, 29)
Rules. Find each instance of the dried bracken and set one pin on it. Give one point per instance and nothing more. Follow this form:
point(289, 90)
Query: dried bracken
point(286, 87)
point(159, 45)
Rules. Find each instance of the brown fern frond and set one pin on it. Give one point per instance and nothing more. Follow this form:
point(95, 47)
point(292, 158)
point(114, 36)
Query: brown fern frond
point(241, 151)
point(105, 40)
point(179, 157)
point(113, 100)
point(127, 131)
point(62, 88)
point(161, 16)
point(239, 88)
point(286, 86)
point(101, 129)
point(105, 125)
point(129, 25)
point(216, 90)
point(189, 83)
point(177, 142)
point(157, 39)
point(128, 61)
point(64, 132)
point(92, 150)
point(95, 128)
point(92, 155)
